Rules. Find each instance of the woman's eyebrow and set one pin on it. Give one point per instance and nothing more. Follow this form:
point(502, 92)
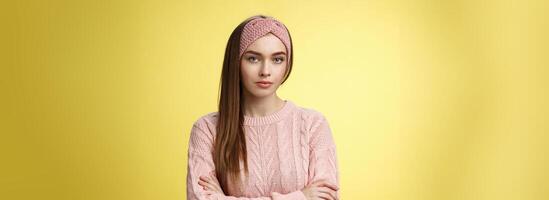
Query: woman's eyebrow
point(279, 53)
point(274, 54)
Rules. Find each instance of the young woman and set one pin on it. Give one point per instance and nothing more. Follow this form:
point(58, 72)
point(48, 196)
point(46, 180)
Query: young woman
point(258, 146)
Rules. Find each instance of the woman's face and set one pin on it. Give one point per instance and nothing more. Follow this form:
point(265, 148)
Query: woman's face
point(263, 61)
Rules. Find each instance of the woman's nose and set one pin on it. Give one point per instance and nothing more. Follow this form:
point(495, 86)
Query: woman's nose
point(265, 70)
point(265, 74)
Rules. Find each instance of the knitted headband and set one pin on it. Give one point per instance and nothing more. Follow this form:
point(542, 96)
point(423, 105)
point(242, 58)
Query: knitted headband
point(259, 27)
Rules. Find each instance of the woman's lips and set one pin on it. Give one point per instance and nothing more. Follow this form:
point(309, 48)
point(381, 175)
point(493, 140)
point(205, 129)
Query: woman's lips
point(264, 84)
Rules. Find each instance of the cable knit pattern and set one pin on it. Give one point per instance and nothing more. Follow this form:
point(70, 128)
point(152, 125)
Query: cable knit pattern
point(287, 150)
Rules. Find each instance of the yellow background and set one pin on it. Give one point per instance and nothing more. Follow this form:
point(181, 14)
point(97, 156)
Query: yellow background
point(426, 99)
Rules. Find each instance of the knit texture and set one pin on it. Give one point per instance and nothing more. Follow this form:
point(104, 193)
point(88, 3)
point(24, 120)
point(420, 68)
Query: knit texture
point(259, 27)
point(287, 150)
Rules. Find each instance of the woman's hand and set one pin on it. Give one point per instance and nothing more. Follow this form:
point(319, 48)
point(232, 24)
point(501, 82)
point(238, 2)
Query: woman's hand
point(210, 184)
point(320, 189)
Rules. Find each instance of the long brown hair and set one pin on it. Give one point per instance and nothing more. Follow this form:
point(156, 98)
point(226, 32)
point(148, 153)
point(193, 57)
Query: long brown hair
point(230, 142)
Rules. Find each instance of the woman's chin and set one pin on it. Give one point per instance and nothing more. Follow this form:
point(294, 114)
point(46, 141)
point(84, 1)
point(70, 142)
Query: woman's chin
point(261, 93)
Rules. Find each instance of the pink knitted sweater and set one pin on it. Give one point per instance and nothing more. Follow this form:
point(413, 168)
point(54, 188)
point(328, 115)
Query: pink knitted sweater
point(287, 150)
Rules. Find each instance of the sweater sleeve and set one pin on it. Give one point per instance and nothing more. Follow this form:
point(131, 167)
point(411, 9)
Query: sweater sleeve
point(200, 163)
point(323, 160)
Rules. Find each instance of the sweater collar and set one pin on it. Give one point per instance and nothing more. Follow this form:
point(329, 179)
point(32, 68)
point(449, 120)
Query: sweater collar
point(270, 118)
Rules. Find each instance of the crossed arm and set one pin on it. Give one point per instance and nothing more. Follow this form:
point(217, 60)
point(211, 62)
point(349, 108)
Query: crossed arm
point(323, 175)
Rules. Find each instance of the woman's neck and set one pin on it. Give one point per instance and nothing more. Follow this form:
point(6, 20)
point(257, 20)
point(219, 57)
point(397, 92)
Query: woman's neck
point(259, 107)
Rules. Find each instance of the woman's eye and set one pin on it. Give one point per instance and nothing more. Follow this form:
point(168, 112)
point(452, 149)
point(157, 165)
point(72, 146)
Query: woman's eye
point(279, 60)
point(252, 59)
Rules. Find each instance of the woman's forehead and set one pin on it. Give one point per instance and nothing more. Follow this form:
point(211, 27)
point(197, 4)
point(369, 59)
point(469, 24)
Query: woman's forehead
point(267, 44)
